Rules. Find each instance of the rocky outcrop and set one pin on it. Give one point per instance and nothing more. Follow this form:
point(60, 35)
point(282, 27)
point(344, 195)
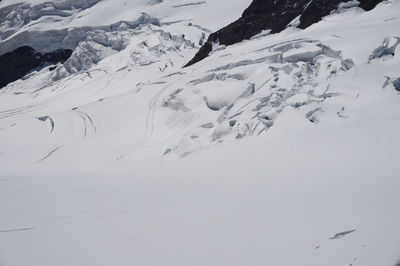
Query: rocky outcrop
point(396, 84)
point(16, 64)
point(274, 16)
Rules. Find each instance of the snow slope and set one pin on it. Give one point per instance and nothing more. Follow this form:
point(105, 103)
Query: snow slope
point(270, 151)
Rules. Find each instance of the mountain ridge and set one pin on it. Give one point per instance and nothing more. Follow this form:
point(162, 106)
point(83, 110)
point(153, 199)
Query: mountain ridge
point(273, 16)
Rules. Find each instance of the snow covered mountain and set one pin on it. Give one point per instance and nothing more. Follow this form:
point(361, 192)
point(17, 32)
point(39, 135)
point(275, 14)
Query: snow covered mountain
point(277, 144)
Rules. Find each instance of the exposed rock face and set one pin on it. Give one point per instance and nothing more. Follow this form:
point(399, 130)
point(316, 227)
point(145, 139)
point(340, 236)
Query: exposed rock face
point(396, 84)
point(273, 15)
point(16, 64)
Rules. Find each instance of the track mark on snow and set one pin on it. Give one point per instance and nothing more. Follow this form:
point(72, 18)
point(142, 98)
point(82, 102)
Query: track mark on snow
point(84, 122)
point(50, 153)
point(17, 230)
point(96, 214)
point(152, 109)
point(45, 118)
point(342, 234)
point(85, 117)
point(17, 111)
point(90, 120)
point(190, 4)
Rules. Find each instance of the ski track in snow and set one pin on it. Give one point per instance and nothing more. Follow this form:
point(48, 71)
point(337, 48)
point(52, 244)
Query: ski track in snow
point(16, 230)
point(50, 154)
point(151, 110)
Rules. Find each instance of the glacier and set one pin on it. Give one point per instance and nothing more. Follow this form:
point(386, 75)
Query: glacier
point(280, 149)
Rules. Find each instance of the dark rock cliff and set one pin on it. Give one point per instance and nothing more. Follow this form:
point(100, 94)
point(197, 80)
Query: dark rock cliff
point(273, 15)
point(16, 64)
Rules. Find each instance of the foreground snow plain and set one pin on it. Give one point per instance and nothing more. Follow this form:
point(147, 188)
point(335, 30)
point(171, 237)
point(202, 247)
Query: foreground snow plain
point(271, 151)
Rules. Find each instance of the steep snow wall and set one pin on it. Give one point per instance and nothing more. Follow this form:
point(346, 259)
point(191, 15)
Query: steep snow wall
point(69, 38)
point(18, 15)
point(90, 45)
